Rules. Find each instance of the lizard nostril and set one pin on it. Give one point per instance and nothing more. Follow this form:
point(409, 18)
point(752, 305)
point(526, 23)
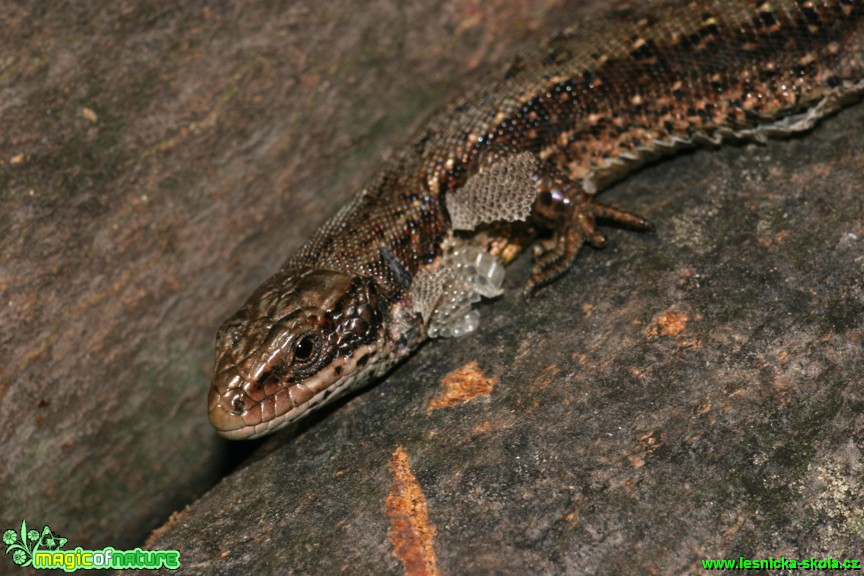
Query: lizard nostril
point(238, 404)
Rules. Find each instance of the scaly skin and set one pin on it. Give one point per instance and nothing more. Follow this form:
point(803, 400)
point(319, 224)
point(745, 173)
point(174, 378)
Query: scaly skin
point(531, 144)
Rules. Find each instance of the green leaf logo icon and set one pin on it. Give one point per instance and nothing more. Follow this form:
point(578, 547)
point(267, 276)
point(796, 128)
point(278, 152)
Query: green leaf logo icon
point(22, 552)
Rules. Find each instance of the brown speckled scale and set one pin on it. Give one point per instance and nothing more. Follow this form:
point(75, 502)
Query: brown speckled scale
point(531, 144)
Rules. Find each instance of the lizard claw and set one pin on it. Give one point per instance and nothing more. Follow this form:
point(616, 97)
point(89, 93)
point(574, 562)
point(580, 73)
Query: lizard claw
point(554, 256)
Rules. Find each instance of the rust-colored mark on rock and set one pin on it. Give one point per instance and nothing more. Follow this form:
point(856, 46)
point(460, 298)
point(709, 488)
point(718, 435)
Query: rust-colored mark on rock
point(652, 440)
point(499, 423)
point(770, 241)
point(411, 534)
point(547, 376)
point(649, 443)
point(166, 528)
point(667, 323)
point(462, 385)
point(89, 115)
point(732, 530)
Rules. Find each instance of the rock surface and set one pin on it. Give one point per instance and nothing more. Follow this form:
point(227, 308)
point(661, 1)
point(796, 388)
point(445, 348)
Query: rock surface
point(691, 393)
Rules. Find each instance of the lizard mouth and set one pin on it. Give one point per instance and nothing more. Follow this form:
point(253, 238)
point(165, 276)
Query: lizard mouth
point(238, 410)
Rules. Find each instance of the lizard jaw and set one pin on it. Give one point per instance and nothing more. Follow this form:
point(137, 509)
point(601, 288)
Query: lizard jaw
point(237, 416)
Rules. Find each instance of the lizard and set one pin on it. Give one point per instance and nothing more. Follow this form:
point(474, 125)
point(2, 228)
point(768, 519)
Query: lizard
point(518, 160)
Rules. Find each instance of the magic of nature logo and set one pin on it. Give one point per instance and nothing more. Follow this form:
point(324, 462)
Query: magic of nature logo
point(44, 550)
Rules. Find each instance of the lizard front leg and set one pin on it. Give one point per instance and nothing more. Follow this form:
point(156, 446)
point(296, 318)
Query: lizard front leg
point(572, 214)
point(519, 187)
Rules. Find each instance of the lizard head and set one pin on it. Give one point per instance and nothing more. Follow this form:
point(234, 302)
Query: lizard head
point(300, 340)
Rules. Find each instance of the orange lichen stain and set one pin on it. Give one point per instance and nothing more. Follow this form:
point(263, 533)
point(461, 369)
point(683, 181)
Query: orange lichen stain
point(411, 534)
point(484, 427)
point(494, 425)
point(732, 530)
point(667, 323)
point(672, 323)
point(88, 114)
point(769, 241)
point(685, 277)
point(781, 385)
point(636, 461)
point(173, 519)
point(651, 441)
point(636, 371)
point(17, 159)
point(628, 486)
point(695, 437)
point(547, 376)
point(462, 385)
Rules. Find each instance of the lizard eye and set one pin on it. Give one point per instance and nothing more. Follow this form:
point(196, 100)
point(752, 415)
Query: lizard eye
point(305, 347)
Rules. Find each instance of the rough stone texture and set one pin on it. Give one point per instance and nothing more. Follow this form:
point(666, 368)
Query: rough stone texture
point(691, 393)
point(157, 161)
